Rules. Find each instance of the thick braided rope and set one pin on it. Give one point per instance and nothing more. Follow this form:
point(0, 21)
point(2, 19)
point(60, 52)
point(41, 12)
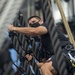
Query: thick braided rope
point(20, 51)
point(27, 68)
point(9, 9)
point(35, 50)
point(19, 41)
point(32, 41)
point(2, 3)
point(35, 67)
point(17, 47)
point(22, 37)
point(7, 67)
point(65, 23)
point(54, 37)
point(33, 63)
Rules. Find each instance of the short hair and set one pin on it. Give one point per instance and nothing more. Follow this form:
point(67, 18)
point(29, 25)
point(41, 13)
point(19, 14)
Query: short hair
point(33, 17)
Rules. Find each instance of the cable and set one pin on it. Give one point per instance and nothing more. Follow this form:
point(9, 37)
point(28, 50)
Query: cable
point(65, 23)
point(19, 69)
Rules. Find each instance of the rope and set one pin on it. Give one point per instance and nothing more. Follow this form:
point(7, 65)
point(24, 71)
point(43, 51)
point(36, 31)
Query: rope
point(9, 10)
point(8, 69)
point(23, 46)
point(54, 37)
point(35, 67)
point(27, 68)
point(32, 41)
point(65, 23)
point(35, 49)
point(5, 60)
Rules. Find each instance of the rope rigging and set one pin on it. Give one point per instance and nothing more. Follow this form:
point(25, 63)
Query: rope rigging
point(54, 37)
point(26, 49)
point(65, 23)
point(27, 45)
point(47, 12)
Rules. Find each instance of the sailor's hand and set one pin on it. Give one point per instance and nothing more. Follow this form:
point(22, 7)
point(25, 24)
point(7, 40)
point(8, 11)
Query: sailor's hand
point(29, 57)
